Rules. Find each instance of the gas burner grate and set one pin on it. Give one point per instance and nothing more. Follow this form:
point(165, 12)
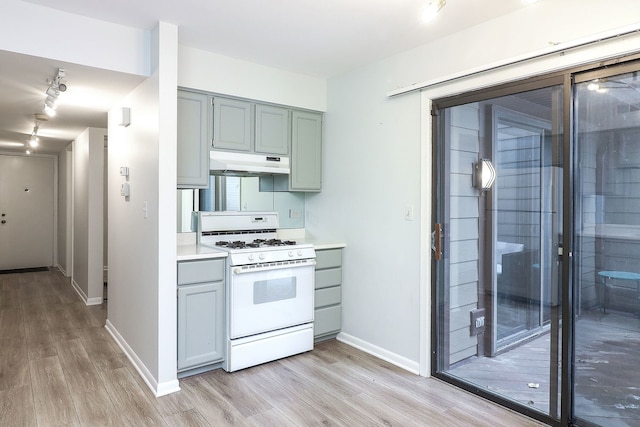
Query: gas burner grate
point(257, 243)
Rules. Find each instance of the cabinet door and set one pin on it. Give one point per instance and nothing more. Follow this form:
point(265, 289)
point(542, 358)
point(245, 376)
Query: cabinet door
point(193, 140)
point(272, 130)
point(232, 124)
point(200, 324)
point(306, 152)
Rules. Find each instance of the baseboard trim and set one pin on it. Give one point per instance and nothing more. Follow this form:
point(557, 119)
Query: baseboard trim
point(83, 296)
point(158, 389)
point(79, 291)
point(381, 353)
point(62, 270)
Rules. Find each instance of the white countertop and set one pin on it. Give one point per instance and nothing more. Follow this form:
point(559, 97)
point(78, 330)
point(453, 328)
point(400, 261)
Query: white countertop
point(187, 252)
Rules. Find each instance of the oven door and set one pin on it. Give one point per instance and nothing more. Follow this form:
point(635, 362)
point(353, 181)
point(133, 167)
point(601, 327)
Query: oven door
point(267, 297)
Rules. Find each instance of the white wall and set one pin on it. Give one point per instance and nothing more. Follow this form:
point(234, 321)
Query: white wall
point(373, 146)
point(220, 74)
point(40, 31)
point(142, 246)
point(88, 184)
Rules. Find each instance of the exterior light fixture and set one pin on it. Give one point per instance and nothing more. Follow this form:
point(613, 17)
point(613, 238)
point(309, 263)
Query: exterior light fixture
point(431, 10)
point(484, 174)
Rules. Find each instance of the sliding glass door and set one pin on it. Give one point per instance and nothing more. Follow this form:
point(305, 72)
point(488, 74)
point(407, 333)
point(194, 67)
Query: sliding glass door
point(498, 295)
point(607, 229)
point(537, 268)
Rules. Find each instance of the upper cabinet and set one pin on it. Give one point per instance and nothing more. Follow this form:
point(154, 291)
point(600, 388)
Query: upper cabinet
point(272, 130)
point(247, 126)
point(193, 139)
point(207, 121)
point(306, 152)
point(232, 124)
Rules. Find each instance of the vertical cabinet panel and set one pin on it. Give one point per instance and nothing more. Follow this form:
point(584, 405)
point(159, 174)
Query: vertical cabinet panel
point(232, 124)
point(328, 296)
point(306, 152)
point(272, 130)
point(193, 140)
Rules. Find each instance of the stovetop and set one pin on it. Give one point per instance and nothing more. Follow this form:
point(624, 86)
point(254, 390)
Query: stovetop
point(249, 238)
point(255, 244)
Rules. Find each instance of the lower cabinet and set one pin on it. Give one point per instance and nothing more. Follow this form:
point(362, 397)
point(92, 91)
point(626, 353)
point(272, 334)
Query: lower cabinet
point(328, 295)
point(200, 313)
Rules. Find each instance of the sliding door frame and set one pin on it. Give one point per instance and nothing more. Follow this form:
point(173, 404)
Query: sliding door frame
point(439, 208)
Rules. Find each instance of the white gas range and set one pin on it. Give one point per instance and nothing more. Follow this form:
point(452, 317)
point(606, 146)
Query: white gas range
point(269, 287)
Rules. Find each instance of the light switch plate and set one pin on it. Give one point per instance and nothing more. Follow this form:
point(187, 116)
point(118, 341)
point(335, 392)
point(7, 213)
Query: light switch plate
point(408, 213)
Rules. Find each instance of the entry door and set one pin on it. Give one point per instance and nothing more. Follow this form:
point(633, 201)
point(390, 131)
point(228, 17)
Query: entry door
point(497, 282)
point(26, 211)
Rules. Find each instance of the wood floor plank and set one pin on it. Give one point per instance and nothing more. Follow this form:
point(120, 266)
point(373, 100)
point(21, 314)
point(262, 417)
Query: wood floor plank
point(60, 323)
point(53, 403)
point(285, 399)
point(129, 400)
point(191, 418)
point(211, 405)
point(40, 343)
point(14, 363)
point(104, 353)
point(16, 407)
point(11, 323)
point(244, 398)
point(79, 371)
point(329, 402)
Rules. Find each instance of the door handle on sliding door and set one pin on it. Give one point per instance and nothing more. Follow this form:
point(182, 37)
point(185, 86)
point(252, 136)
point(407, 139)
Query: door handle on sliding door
point(436, 242)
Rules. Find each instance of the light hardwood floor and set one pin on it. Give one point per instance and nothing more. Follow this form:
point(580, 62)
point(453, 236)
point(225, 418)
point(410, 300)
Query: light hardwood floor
point(59, 366)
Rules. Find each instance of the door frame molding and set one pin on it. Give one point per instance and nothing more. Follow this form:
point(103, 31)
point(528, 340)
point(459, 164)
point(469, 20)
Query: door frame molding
point(602, 55)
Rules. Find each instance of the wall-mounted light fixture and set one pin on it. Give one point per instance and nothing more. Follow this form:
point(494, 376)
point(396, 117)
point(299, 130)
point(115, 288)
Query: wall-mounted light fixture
point(484, 174)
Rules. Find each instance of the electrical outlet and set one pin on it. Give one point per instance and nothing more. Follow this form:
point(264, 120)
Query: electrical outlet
point(295, 213)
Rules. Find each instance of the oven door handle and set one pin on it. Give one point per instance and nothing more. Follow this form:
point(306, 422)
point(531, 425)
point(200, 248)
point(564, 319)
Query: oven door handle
point(272, 266)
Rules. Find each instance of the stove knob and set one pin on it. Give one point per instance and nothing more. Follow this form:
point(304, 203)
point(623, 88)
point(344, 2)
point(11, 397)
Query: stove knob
point(290, 253)
point(299, 252)
point(261, 256)
point(250, 257)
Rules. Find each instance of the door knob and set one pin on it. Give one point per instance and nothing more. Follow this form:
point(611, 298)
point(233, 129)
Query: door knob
point(4, 221)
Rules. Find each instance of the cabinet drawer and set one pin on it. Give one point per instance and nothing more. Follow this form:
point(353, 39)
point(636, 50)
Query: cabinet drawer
point(211, 270)
point(328, 296)
point(328, 258)
point(327, 320)
point(327, 278)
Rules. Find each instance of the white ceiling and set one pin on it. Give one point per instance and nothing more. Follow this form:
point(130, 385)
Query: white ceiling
point(317, 38)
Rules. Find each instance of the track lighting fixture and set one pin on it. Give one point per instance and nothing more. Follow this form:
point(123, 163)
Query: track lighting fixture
point(56, 86)
point(33, 140)
point(431, 10)
point(434, 6)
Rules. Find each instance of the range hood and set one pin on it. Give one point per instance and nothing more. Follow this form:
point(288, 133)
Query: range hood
point(246, 164)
